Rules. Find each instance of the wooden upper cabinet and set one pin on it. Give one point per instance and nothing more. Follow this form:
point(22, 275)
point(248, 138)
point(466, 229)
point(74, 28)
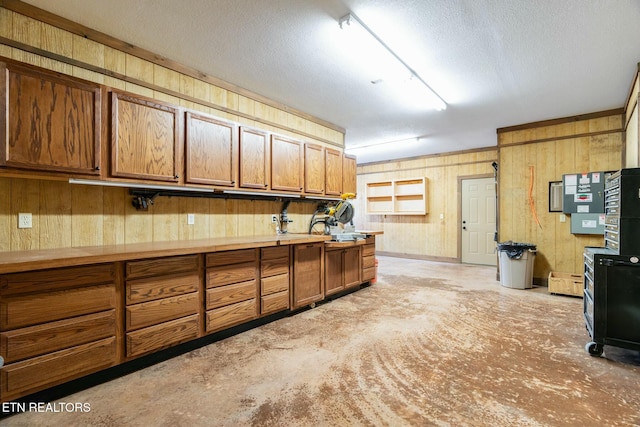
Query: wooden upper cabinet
point(211, 154)
point(349, 184)
point(50, 122)
point(144, 138)
point(314, 168)
point(333, 181)
point(287, 164)
point(254, 160)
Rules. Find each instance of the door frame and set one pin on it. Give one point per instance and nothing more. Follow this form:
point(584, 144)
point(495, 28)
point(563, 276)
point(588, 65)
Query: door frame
point(460, 179)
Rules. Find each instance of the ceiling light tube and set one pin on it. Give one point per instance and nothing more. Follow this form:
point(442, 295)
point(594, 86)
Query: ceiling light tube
point(375, 144)
point(382, 59)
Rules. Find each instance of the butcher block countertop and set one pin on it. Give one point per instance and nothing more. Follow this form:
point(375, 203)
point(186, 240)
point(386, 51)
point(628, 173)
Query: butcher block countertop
point(17, 261)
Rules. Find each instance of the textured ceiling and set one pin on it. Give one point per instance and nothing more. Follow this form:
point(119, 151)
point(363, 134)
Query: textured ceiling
point(496, 63)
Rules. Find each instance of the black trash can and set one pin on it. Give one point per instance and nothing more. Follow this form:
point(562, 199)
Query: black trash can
point(516, 264)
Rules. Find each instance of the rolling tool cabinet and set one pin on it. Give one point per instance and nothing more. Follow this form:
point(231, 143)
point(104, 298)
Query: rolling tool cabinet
point(612, 273)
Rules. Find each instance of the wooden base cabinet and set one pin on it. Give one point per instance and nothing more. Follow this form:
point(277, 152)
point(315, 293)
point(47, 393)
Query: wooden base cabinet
point(231, 288)
point(162, 303)
point(56, 325)
point(61, 324)
point(342, 267)
point(308, 274)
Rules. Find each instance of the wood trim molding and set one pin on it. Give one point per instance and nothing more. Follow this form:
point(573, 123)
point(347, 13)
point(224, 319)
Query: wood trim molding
point(90, 34)
point(431, 156)
point(420, 257)
point(633, 83)
point(560, 138)
point(420, 168)
point(562, 120)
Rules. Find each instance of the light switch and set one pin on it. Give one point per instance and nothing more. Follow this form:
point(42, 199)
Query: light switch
point(191, 219)
point(563, 218)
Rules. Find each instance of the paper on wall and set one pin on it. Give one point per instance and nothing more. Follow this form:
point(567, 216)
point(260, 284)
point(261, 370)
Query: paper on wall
point(571, 180)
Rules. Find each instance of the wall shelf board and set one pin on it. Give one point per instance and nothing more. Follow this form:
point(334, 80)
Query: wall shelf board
point(397, 197)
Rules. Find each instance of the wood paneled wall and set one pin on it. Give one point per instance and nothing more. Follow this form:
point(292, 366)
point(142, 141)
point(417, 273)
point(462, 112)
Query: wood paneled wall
point(423, 236)
point(67, 215)
point(572, 145)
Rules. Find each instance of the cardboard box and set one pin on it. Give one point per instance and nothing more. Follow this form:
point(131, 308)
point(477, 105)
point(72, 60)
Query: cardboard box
point(566, 283)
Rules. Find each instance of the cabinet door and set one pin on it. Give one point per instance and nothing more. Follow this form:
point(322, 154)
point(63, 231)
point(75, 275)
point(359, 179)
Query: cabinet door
point(352, 267)
point(333, 277)
point(144, 139)
point(286, 164)
point(314, 169)
point(349, 174)
point(333, 180)
point(211, 150)
point(254, 162)
point(52, 121)
point(308, 277)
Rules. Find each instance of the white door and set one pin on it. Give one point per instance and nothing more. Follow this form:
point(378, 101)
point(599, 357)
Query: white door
point(478, 221)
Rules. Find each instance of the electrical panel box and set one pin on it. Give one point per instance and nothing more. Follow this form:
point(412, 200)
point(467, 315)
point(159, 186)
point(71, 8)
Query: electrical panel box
point(583, 193)
point(591, 223)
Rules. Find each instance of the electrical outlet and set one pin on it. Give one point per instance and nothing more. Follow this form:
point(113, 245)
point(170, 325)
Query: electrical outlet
point(191, 219)
point(563, 218)
point(25, 220)
point(274, 219)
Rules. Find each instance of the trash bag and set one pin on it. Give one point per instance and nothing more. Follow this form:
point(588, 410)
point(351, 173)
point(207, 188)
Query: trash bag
point(515, 250)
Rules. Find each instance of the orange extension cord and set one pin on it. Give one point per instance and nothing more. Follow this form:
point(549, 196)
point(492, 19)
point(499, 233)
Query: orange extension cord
point(531, 202)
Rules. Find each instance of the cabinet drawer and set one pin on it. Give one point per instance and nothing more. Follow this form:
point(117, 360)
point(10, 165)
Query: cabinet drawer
point(275, 252)
point(368, 261)
point(368, 274)
point(272, 267)
point(154, 312)
point(56, 279)
point(230, 315)
point(368, 250)
point(227, 274)
point(163, 335)
point(21, 378)
point(271, 285)
point(49, 337)
point(162, 266)
point(152, 288)
point(225, 295)
point(17, 312)
point(231, 257)
point(274, 302)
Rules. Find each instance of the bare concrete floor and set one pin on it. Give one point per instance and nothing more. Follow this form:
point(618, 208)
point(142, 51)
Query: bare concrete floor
point(429, 344)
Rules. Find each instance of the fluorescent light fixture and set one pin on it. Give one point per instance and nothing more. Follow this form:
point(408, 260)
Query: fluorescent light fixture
point(136, 185)
point(386, 66)
point(413, 140)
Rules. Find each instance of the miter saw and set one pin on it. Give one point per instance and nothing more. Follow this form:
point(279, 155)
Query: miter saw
point(331, 216)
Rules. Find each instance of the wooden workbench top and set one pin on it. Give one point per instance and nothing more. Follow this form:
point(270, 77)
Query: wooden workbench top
point(12, 262)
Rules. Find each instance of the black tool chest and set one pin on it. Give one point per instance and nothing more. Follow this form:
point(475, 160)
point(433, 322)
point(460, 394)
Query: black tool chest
point(612, 273)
